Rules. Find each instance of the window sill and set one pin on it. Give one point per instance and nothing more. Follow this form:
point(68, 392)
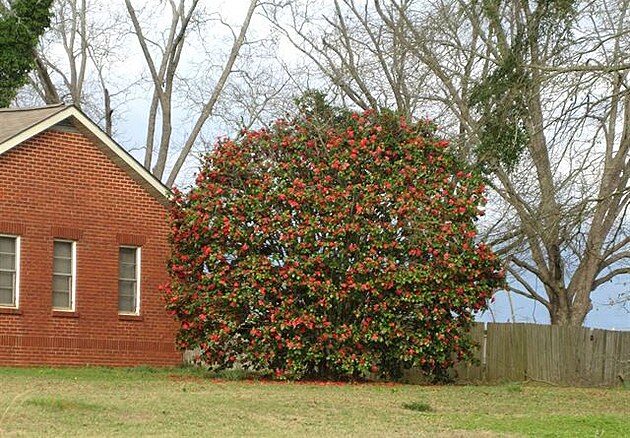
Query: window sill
point(65, 313)
point(129, 317)
point(10, 311)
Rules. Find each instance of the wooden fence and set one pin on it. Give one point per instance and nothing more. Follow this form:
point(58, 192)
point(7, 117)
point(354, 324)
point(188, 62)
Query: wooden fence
point(575, 356)
point(551, 354)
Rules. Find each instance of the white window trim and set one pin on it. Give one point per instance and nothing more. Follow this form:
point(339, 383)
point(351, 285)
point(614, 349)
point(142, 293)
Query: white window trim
point(17, 272)
point(138, 270)
point(73, 279)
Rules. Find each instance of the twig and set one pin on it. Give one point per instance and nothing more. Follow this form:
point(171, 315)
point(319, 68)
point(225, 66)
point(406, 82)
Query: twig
point(529, 379)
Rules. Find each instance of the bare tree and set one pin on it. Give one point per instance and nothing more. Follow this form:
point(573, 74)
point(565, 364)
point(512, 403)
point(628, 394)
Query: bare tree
point(75, 57)
point(536, 94)
point(369, 66)
point(195, 58)
point(164, 64)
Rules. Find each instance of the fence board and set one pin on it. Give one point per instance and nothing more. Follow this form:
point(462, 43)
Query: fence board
point(474, 371)
point(506, 352)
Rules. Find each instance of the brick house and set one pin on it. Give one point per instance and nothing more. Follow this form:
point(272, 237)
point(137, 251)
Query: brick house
point(83, 246)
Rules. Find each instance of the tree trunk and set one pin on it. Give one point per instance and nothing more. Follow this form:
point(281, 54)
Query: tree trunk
point(569, 316)
point(48, 90)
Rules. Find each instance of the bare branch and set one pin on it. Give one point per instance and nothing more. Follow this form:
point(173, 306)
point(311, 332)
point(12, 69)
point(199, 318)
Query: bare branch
point(216, 93)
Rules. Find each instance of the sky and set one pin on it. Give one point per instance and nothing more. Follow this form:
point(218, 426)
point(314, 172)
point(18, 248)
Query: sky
point(515, 308)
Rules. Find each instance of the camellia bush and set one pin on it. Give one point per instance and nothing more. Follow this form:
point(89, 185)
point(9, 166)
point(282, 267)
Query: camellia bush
point(330, 247)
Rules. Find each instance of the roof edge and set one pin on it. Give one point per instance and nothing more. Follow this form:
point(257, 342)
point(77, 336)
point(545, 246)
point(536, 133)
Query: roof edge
point(72, 111)
point(31, 108)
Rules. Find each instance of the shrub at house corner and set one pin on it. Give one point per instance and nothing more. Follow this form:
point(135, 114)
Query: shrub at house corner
point(330, 248)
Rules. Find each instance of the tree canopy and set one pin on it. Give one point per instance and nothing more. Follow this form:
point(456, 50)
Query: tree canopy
point(330, 246)
point(21, 26)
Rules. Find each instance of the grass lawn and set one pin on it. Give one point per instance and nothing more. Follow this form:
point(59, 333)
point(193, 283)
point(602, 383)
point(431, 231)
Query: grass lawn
point(185, 402)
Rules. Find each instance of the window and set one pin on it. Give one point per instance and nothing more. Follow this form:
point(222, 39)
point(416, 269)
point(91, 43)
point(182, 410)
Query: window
point(64, 262)
point(9, 271)
point(129, 280)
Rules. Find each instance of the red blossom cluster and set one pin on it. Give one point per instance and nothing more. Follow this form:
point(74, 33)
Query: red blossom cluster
point(330, 250)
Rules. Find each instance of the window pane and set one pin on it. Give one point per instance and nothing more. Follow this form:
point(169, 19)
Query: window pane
point(7, 280)
point(128, 255)
point(7, 245)
point(61, 300)
point(61, 284)
point(126, 304)
point(63, 250)
point(127, 288)
point(127, 272)
point(6, 297)
point(62, 266)
point(7, 262)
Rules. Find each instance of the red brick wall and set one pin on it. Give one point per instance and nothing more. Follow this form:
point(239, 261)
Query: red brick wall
point(58, 184)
